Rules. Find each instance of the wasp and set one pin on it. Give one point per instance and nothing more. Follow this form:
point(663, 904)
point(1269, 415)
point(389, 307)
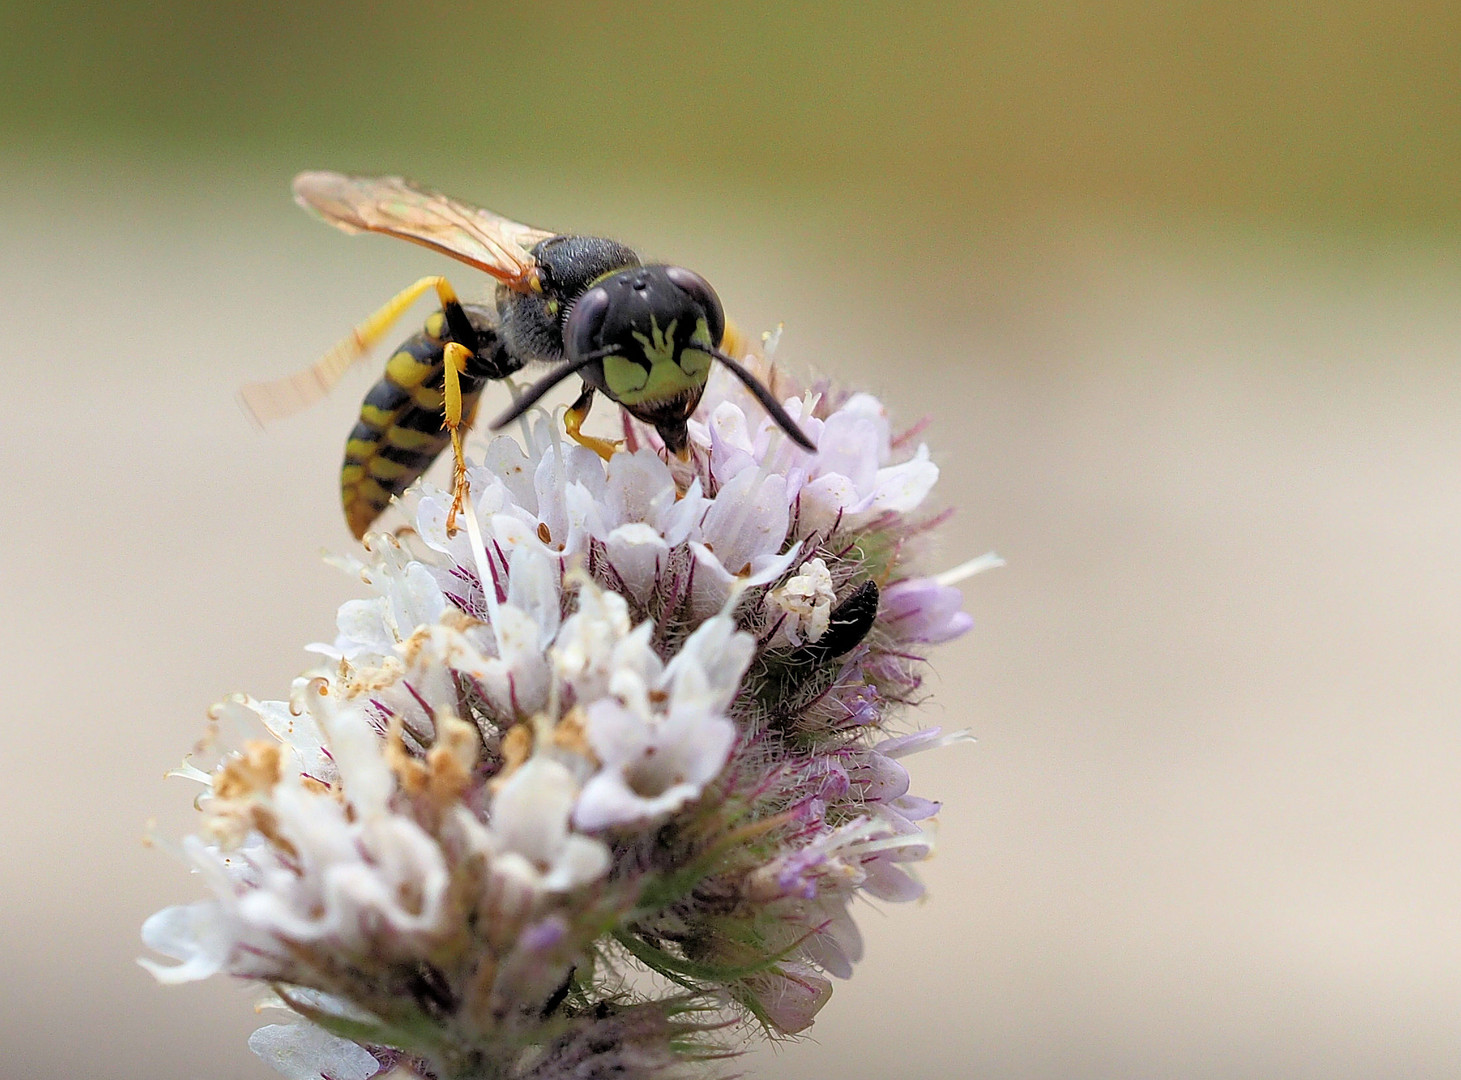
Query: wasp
point(643, 335)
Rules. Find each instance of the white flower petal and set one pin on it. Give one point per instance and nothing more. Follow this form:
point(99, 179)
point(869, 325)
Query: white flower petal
point(610, 798)
point(561, 469)
point(897, 489)
point(652, 766)
point(505, 460)
point(534, 585)
point(714, 585)
point(296, 729)
point(583, 654)
point(639, 555)
point(640, 488)
point(821, 502)
point(706, 673)
point(362, 629)
point(804, 603)
point(917, 742)
point(302, 1051)
point(679, 521)
point(580, 861)
point(613, 732)
point(853, 446)
point(748, 519)
point(886, 881)
point(355, 750)
point(530, 812)
point(197, 934)
point(731, 448)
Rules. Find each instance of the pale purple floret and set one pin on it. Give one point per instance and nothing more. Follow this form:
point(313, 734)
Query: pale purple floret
point(922, 610)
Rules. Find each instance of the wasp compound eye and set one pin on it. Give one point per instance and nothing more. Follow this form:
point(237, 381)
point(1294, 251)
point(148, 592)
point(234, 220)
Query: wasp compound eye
point(585, 320)
point(700, 291)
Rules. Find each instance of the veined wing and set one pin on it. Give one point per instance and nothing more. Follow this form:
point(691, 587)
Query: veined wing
point(399, 207)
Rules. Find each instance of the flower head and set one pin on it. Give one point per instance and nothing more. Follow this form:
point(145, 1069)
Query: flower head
point(632, 714)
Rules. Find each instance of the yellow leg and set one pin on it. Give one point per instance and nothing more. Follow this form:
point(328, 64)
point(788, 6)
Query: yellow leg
point(573, 420)
point(455, 356)
point(283, 397)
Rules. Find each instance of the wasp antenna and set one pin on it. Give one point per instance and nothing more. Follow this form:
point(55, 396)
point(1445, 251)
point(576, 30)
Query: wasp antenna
point(536, 392)
point(769, 403)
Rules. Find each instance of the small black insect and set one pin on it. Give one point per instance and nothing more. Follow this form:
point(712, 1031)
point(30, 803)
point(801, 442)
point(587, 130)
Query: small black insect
point(849, 624)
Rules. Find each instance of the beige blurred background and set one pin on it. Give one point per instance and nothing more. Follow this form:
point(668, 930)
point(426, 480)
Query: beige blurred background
point(1179, 288)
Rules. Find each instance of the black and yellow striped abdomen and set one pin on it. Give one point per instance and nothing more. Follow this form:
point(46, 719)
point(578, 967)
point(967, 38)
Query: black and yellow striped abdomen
point(400, 433)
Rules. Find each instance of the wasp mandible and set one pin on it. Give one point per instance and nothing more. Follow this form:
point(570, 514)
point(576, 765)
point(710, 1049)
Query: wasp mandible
point(643, 335)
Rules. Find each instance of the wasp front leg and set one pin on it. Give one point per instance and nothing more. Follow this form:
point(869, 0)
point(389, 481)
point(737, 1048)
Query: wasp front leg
point(573, 423)
point(455, 357)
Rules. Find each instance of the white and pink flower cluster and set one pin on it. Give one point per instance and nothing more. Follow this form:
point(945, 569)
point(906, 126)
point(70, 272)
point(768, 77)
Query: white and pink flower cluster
point(634, 715)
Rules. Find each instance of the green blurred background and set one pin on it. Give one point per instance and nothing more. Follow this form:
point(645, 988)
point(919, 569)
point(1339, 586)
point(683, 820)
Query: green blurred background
point(1177, 287)
point(1292, 114)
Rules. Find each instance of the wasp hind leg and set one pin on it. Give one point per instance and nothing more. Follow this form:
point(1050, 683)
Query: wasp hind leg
point(573, 422)
point(274, 400)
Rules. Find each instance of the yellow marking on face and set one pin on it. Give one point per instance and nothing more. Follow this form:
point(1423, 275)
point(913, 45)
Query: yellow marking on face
point(423, 397)
point(624, 376)
point(377, 417)
point(351, 474)
point(435, 325)
point(666, 378)
point(660, 345)
point(386, 469)
point(695, 363)
point(360, 449)
point(410, 439)
point(406, 371)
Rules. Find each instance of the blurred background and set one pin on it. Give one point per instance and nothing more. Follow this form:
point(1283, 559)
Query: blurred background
point(1177, 286)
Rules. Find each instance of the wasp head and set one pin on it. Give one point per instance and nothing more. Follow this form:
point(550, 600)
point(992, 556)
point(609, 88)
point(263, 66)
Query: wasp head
point(655, 330)
point(645, 337)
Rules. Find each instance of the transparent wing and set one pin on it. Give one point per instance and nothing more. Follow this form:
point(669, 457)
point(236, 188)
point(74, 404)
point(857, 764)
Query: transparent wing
point(399, 207)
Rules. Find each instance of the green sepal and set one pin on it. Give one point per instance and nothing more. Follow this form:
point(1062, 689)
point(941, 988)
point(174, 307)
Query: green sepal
point(678, 969)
